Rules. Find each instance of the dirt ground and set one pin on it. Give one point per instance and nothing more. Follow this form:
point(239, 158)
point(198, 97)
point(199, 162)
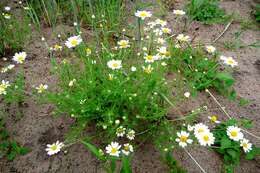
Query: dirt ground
point(38, 127)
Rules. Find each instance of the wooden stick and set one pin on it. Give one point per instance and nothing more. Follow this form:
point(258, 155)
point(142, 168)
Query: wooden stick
point(223, 32)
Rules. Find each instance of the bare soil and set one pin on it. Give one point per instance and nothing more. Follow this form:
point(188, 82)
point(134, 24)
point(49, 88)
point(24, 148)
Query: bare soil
point(37, 127)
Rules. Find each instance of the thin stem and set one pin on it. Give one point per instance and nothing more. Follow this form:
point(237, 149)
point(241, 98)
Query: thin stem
point(221, 107)
point(195, 161)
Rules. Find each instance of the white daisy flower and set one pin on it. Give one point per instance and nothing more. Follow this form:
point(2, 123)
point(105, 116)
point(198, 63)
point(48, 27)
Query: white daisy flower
point(7, 8)
point(163, 53)
point(148, 69)
point(130, 134)
point(151, 25)
point(71, 83)
point(127, 149)
point(164, 64)
point(187, 94)
point(20, 57)
point(161, 22)
point(223, 58)
point(123, 44)
point(114, 64)
point(199, 129)
point(7, 16)
point(160, 41)
point(149, 58)
point(179, 12)
point(120, 131)
point(231, 62)
point(206, 139)
point(183, 139)
point(133, 68)
point(113, 149)
point(143, 14)
point(3, 86)
point(166, 30)
point(41, 88)
point(214, 119)
point(54, 148)
point(158, 32)
point(210, 49)
point(73, 41)
point(246, 145)
point(7, 68)
point(183, 38)
point(190, 128)
point(234, 133)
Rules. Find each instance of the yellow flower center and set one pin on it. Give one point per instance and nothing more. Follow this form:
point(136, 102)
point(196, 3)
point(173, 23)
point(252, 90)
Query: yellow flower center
point(74, 42)
point(149, 57)
point(213, 118)
point(245, 145)
point(233, 133)
point(183, 138)
point(114, 150)
point(206, 138)
point(126, 148)
point(115, 65)
point(123, 43)
point(54, 147)
point(200, 130)
point(230, 61)
point(20, 58)
point(143, 14)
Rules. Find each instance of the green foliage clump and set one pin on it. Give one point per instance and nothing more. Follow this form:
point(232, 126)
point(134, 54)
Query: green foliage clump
point(8, 147)
point(230, 149)
point(257, 13)
point(206, 11)
point(14, 33)
point(202, 72)
point(16, 92)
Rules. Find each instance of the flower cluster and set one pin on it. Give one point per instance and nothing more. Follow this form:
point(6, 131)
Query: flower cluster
point(113, 148)
point(235, 134)
point(229, 61)
point(19, 58)
point(3, 86)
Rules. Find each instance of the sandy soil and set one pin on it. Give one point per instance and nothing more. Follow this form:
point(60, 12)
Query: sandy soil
point(38, 127)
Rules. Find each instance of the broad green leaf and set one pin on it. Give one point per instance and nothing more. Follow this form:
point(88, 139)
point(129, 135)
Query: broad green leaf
point(225, 143)
point(226, 78)
point(253, 153)
point(94, 150)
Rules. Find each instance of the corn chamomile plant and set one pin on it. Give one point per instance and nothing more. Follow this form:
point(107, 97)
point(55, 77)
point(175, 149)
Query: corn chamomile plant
point(125, 88)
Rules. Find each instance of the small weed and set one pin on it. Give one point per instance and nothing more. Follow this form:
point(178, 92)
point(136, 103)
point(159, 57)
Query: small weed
point(206, 11)
point(8, 147)
point(243, 102)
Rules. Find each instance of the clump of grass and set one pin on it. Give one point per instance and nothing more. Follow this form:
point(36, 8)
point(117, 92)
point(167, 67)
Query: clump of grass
point(206, 11)
point(14, 33)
